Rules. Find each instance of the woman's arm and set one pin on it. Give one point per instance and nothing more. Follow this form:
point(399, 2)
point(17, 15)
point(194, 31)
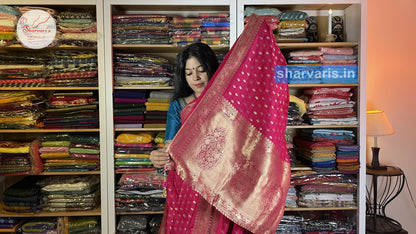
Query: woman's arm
point(160, 157)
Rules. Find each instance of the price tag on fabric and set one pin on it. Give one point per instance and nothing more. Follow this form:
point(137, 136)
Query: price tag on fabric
point(36, 29)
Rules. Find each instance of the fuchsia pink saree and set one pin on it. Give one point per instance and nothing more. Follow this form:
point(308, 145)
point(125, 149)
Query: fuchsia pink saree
point(232, 167)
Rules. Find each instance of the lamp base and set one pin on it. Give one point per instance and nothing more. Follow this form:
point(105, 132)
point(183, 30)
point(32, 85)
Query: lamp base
point(375, 164)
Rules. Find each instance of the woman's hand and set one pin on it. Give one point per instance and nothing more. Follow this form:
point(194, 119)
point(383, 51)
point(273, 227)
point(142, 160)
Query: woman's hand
point(159, 157)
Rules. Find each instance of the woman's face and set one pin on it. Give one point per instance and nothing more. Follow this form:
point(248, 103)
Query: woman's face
point(195, 75)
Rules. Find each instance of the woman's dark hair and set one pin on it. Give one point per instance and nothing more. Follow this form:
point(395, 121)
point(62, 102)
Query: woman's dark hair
point(206, 58)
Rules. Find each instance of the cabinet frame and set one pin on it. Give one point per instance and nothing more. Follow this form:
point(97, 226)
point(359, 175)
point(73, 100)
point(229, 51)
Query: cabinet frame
point(98, 6)
point(236, 11)
point(355, 27)
point(149, 6)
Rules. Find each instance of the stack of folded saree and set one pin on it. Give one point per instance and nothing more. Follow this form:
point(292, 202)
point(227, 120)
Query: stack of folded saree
point(7, 223)
point(21, 109)
point(14, 158)
point(132, 69)
point(141, 29)
point(70, 193)
point(40, 225)
point(8, 21)
point(77, 28)
point(329, 222)
point(23, 196)
point(71, 110)
point(291, 198)
point(305, 57)
point(64, 152)
point(132, 224)
point(215, 28)
point(339, 56)
point(323, 65)
point(270, 15)
point(291, 223)
point(54, 147)
point(132, 152)
point(139, 224)
point(129, 108)
point(341, 63)
point(84, 153)
point(292, 27)
point(320, 155)
point(325, 189)
point(23, 70)
point(336, 136)
point(86, 224)
point(297, 108)
point(157, 106)
point(185, 30)
point(328, 194)
point(140, 192)
point(73, 69)
point(330, 106)
point(331, 137)
point(304, 66)
point(348, 161)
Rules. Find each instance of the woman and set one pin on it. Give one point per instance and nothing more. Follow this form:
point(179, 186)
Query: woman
point(195, 66)
point(231, 170)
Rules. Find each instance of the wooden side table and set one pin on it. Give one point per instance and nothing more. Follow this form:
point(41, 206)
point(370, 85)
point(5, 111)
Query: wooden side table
point(399, 232)
point(379, 195)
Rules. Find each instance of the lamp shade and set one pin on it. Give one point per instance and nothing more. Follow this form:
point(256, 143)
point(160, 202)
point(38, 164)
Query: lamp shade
point(378, 124)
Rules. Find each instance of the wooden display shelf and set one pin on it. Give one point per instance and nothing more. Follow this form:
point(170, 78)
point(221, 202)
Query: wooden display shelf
point(12, 229)
point(312, 45)
point(286, 209)
point(319, 208)
point(140, 129)
point(320, 126)
point(310, 85)
point(140, 213)
point(48, 88)
point(300, 166)
point(71, 173)
point(95, 212)
point(147, 87)
point(162, 48)
point(41, 130)
point(307, 5)
point(291, 85)
point(19, 47)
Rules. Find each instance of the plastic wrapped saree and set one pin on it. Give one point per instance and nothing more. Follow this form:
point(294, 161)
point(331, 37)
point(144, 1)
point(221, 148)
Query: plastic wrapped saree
point(232, 170)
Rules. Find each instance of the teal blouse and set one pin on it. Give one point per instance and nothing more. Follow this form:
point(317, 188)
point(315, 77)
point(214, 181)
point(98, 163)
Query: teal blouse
point(173, 122)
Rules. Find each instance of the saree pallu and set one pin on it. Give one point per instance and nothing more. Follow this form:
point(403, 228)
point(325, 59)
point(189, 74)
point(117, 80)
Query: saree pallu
point(231, 147)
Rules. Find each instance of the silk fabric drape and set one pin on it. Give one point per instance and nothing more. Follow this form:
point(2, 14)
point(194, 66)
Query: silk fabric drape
point(231, 148)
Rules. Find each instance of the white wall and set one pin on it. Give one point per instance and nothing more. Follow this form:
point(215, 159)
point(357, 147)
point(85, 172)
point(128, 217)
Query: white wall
point(391, 86)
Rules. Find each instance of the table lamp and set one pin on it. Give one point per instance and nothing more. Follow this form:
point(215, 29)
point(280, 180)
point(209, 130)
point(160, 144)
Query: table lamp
point(377, 125)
